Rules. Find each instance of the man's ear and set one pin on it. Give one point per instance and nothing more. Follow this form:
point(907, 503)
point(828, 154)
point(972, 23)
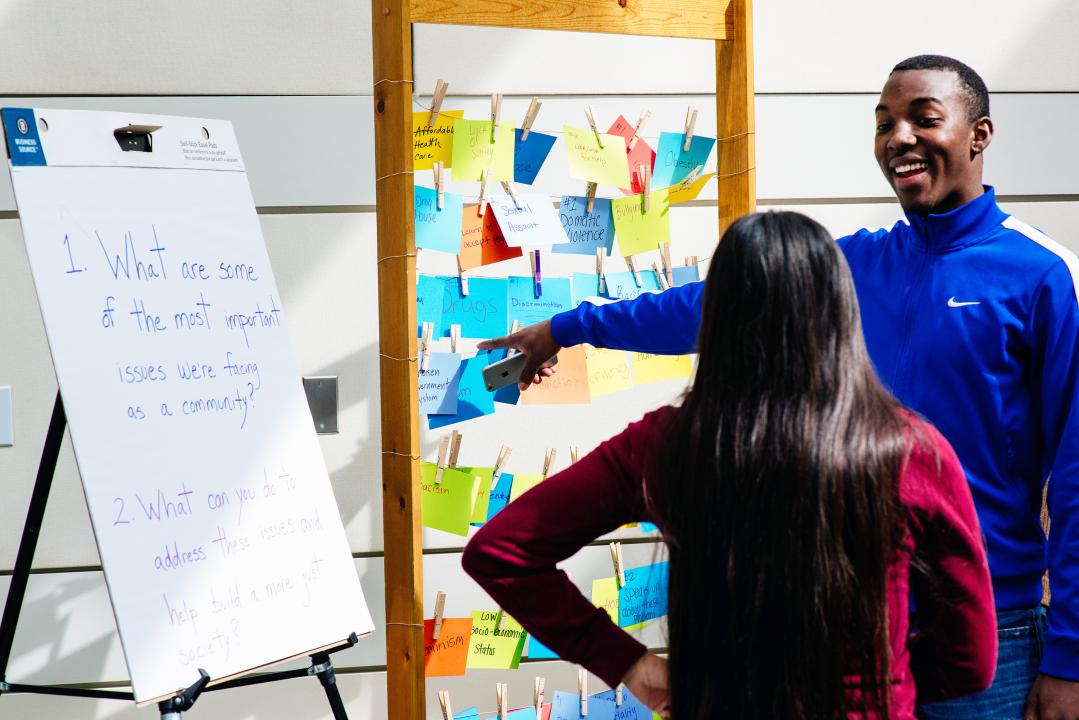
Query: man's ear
point(981, 136)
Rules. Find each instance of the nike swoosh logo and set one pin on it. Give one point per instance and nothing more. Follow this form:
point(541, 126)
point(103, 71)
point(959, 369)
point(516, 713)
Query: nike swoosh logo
point(952, 302)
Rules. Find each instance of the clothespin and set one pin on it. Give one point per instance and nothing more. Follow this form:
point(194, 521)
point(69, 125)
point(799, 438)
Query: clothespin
point(444, 701)
point(638, 127)
point(591, 115)
point(600, 254)
point(455, 335)
point(590, 196)
point(619, 565)
point(496, 110)
point(548, 461)
point(436, 169)
point(425, 344)
point(443, 447)
point(660, 276)
point(618, 695)
point(508, 187)
point(644, 174)
point(582, 688)
point(441, 86)
point(691, 121)
point(500, 463)
point(455, 448)
point(574, 453)
point(691, 260)
point(631, 262)
point(665, 258)
point(501, 691)
point(537, 272)
point(463, 277)
point(483, 191)
point(689, 179)
point(537, 695)
point(440, 609)
point(530, 117)
point(499, 620)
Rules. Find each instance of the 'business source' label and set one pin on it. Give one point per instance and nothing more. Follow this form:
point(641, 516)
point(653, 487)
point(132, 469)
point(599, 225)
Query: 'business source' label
point(23, 142)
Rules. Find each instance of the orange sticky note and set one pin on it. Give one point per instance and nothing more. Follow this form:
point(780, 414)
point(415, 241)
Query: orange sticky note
point(447, 655)
point(569, 384)
point(482, 242)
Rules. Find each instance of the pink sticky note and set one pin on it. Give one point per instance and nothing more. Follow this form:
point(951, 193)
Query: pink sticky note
point(641, 154)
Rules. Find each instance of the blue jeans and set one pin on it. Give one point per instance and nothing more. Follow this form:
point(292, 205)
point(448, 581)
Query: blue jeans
point(1021, 636)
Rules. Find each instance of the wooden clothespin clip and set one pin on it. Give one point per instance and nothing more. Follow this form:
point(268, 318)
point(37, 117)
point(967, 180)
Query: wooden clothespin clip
point(618, 695)
point(496, 110)
point(601, 253)
point(590, 196)
point(464, 278)
point(425, 344)
point(441, 86)
point(455, 335)
point(500, 620)
point(691, 178)
point(530, 117)
point(455, 448)
point(591, 115)
point(440, 609)
point(644, 175)
point(631, 263)
point(500, 463)
point(436, 169)
point(691, 122)
point(444, 701)
point(661, 277)
point(574, 453)
point(665, 258)
point(537, 272)
point(582, 688)
point(482, 205)
point(508, 187)
point(501, 691)
point(548, 461)
point(638, 127)
point(537, 695)
point(619, 566)
point(691, 260)
point(443, 448)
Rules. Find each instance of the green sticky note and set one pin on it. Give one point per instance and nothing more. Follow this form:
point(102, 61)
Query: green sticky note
point(590, 162)
point(474, 149)
point(605, 596)
point(447, 505)
point(483, 494)
point(523, 482)
point(638, 231)
point(495, 649)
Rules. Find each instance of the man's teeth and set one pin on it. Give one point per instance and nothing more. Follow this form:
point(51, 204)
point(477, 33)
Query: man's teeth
point(912, 167)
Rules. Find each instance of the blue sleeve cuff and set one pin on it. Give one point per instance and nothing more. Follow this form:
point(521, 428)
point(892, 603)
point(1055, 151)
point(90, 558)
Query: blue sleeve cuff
point(570, 328)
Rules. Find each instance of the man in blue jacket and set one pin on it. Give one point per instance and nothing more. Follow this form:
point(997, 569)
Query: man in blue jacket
point(972, 319)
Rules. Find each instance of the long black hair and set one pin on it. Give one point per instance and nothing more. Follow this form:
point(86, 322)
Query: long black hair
point(779, 497)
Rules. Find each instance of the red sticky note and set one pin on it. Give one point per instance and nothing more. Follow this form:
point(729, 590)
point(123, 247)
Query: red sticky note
point(447, 655)
point(482, 241)
point(641, 154)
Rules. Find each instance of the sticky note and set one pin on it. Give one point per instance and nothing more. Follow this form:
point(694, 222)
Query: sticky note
point(447, 655)
point(439, 384)
point(649, 368)
point(691, 191)
point(473, 400)
point(585, 230)
point(447, 505)
point(539, 651)
point(644, 596)
point(608, 371)
point(605, 596)
point(525, 713)
point(438, 229)
point(673, 163)
point(532, 221)
point(586, 285)
point(482, 242)
point(433, 144)
point(641, 154)
point(472, 713)
point(523, 482)
point(492, 648)
point(630, 709)
point(567, 706)
point(429, 292)
point(483, 492)
point(590, 162)
point(481, 313)
point(686, 275)
point(528, 156)
point(647, 527)
point(569, 384)
point(523, 305)
point(622, 286)
point(500, 494)
point(639, 231)
point(473, 150)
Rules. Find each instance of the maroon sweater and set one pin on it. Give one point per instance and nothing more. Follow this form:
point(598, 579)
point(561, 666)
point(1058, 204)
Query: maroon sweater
point(514, 558)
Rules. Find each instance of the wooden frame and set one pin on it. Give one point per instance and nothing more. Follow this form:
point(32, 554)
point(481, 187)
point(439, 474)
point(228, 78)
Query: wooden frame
point(730, 25)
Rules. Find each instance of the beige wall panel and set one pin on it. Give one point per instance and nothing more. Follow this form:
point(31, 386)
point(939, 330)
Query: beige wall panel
point(196, 47)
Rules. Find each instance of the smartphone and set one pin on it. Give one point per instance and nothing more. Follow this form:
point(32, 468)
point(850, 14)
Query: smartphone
point(507, 371)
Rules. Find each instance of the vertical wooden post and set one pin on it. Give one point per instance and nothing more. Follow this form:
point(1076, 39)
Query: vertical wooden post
point(392, 50)
point(735, 146)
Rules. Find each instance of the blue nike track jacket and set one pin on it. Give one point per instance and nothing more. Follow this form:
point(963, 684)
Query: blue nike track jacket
point(972, 319)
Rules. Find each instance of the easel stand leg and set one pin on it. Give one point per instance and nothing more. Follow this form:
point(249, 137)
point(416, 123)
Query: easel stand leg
point(322, 667)
point(174, 707)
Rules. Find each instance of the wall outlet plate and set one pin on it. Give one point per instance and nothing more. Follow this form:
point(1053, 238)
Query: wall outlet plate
point(322, 399)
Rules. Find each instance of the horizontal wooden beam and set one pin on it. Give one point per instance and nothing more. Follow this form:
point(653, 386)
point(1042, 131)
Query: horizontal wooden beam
point(706, 19)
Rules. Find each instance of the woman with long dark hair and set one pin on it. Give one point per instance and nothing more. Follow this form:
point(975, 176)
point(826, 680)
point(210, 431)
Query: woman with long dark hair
point(801, 504)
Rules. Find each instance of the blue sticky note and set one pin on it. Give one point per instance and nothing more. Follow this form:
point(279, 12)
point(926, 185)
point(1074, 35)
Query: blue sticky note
point(473, 400)
point(500, 494)
point(585, 285)
point(622, 286)
point(586, 230)
point(644, 596)
point(438, 229)
point(528, 156)
point(470, 714)
point(630, 709)
point(525, 713)
point(674, 164)
point(481, 313)
point(524, 306)
point(647, 527)
point(539, 651)
point(685, 275)
point(429, 292)
point(439, 384)
point(567, 706)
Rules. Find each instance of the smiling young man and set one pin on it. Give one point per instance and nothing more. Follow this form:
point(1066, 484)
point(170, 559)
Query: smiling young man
point(972, 319)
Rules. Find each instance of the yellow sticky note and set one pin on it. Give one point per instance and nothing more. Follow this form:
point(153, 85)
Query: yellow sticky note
point(592, 163)
point(605, 595)
point(638, 231)
point(435, 143)
point(656, 368)
point(608, 371)
point(447, 505)
point(474, 150)
point(689, 192)
point(523, 482)
point(483, 492)
point(495, 649)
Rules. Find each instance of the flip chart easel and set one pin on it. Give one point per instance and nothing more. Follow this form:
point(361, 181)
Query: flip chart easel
point(729, 23)
point(221, 543)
